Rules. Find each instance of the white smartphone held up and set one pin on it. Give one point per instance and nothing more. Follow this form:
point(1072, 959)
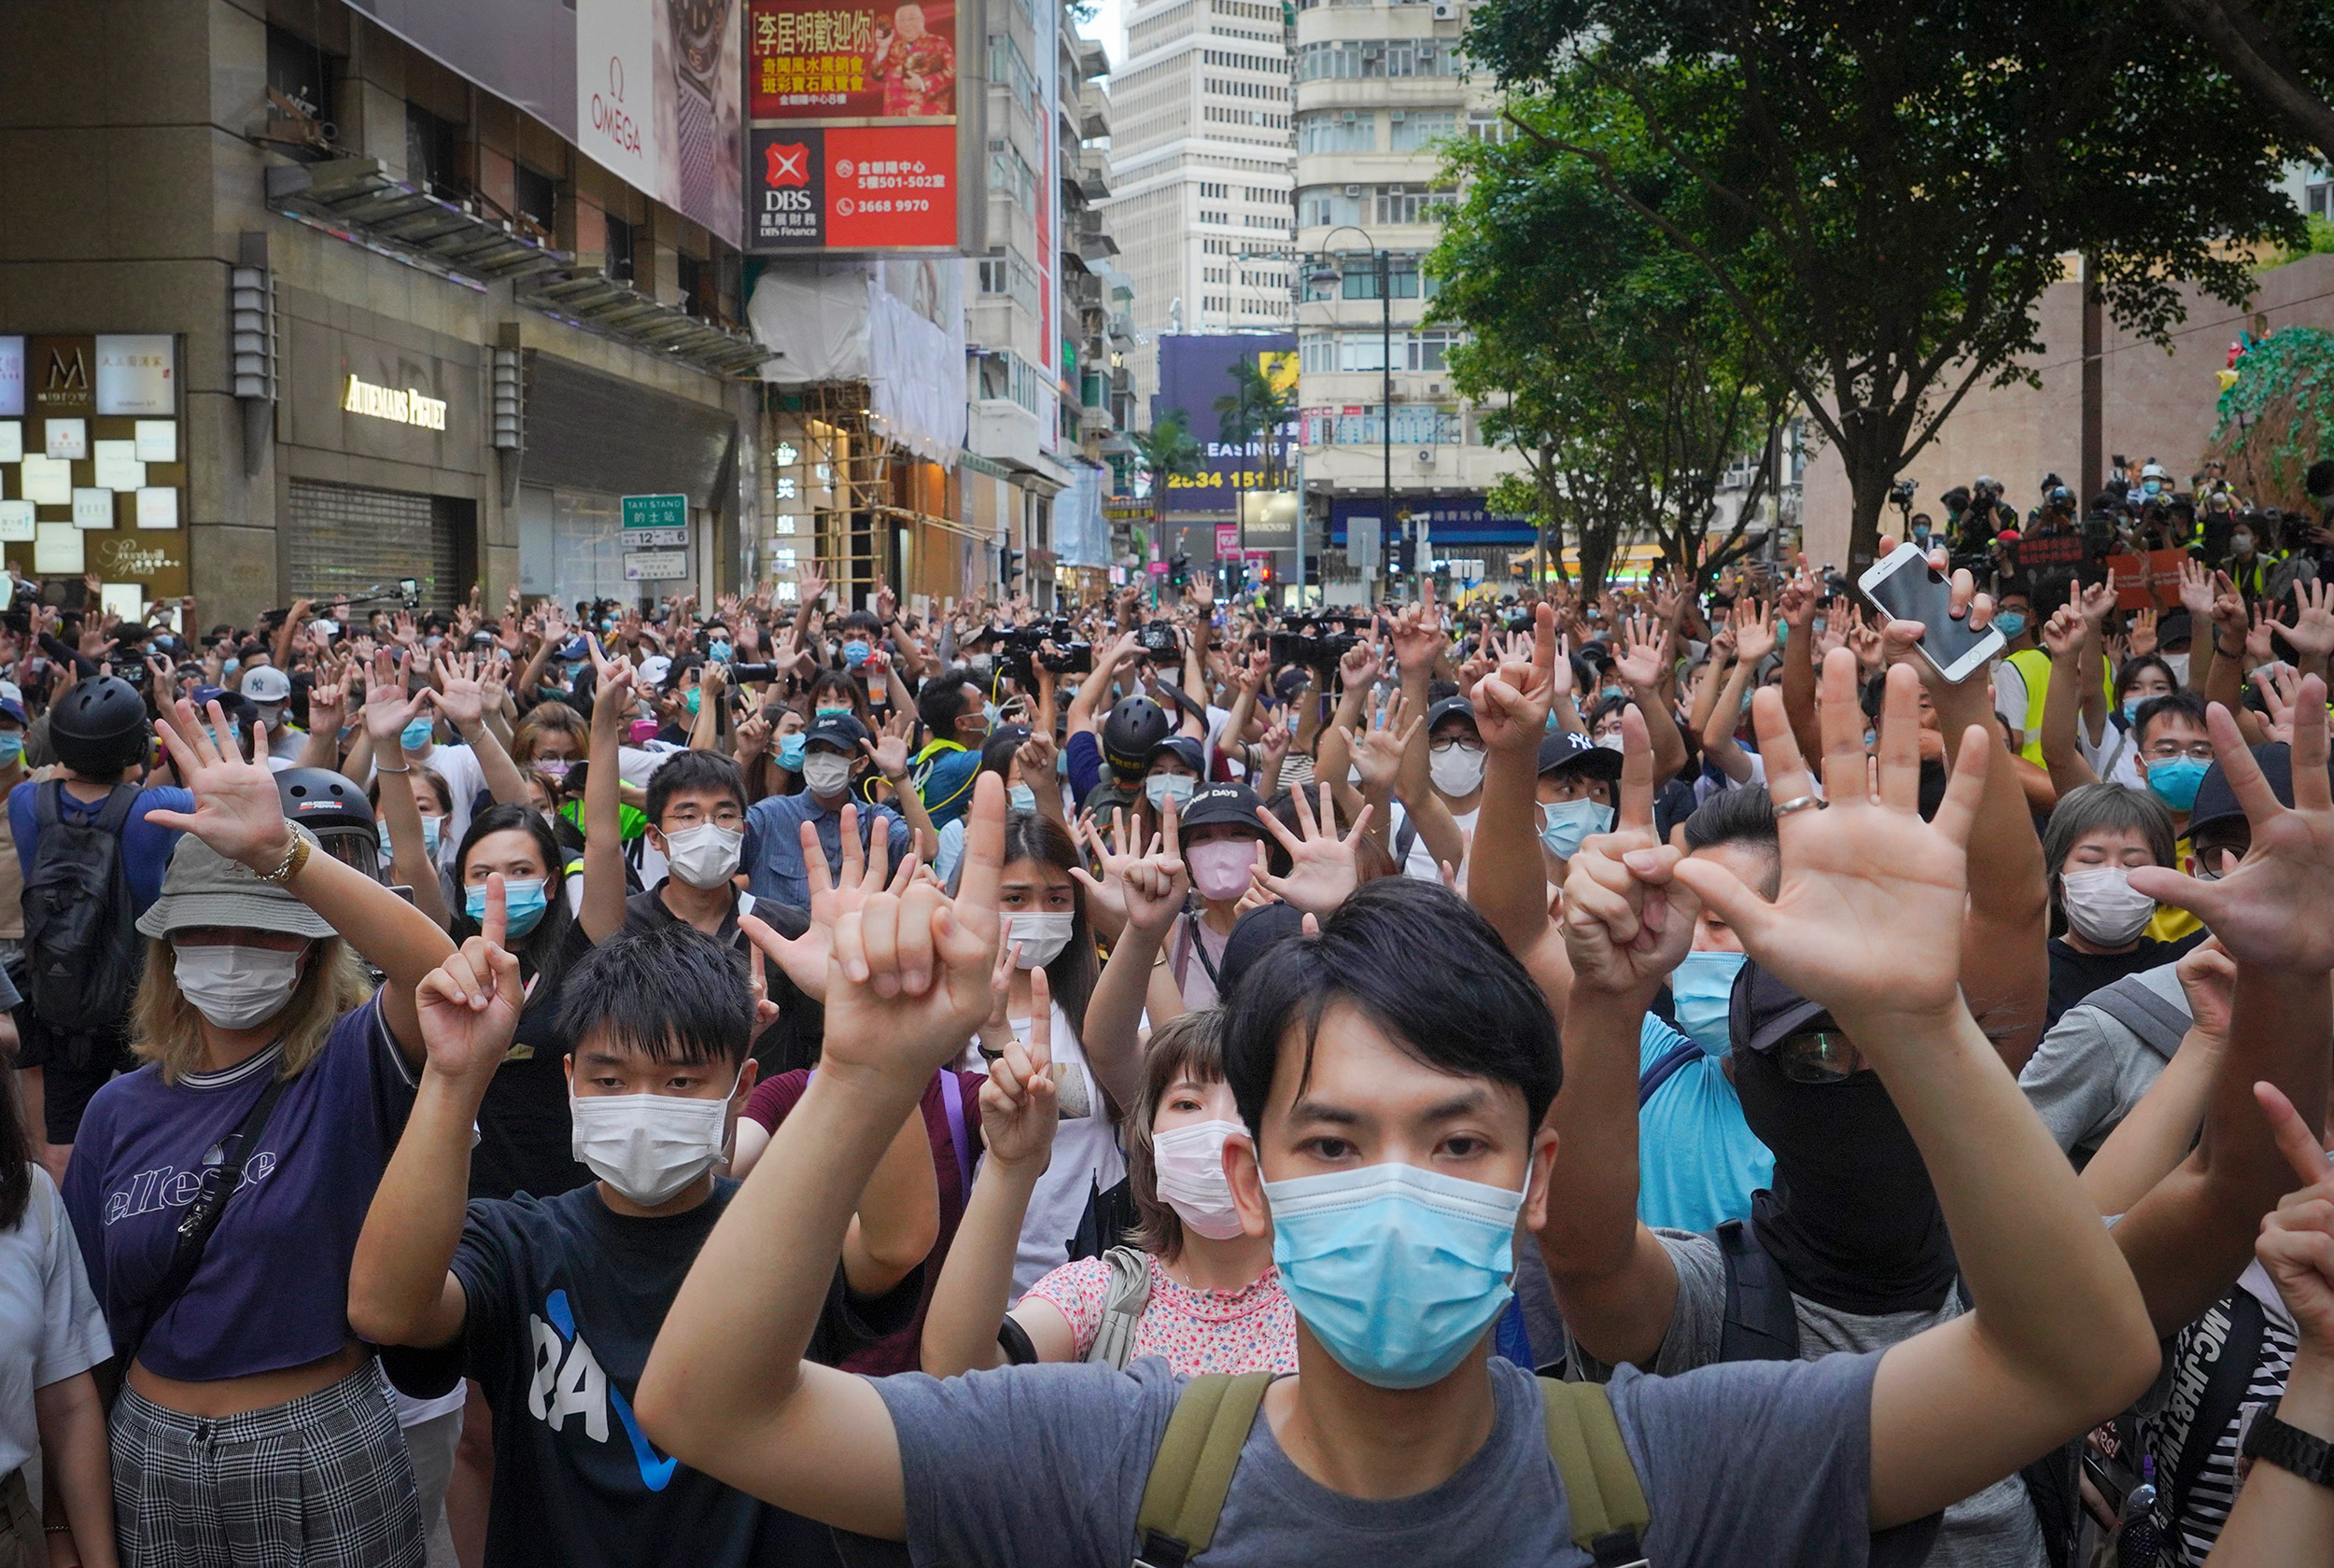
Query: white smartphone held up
point(1906, 587)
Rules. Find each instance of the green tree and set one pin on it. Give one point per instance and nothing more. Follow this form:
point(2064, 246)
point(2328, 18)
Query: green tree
point(1882, 189)
point(2281, 52)
point(1165, 452)
point(1611, 364)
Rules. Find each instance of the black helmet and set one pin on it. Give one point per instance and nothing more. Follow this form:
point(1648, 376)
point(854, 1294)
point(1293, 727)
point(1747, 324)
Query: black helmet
point(100, 727)
point(1136, 724)
point(331, 806)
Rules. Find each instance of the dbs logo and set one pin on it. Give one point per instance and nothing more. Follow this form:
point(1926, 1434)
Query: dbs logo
point(789, 163)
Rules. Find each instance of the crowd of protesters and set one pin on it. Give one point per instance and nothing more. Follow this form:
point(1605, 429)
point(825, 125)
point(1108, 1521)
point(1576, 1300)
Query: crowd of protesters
point(1654, 1075)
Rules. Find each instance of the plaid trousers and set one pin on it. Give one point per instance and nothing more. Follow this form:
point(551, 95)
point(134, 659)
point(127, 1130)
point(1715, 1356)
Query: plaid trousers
point(321, 1481)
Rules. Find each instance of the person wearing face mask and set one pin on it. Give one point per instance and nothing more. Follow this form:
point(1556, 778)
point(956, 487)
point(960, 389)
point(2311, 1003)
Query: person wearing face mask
point(246, 1392)
point(2021, 677)
point(1046, 966)
point(1030, 786)
point(2250, 558)
point(1392, 1146)
point(834, 752)
point(411, 806)
point(1174, 771)
point(552, 1303)
point(1219, 839)
point(958, 718)
point(1188, 1285)
point(1575, 792)
point(2097, 833)
point(1450, 763)
point(474, 766)
point(268, 690)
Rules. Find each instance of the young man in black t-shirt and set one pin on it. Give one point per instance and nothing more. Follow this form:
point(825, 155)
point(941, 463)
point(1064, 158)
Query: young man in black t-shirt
point(555, 1302)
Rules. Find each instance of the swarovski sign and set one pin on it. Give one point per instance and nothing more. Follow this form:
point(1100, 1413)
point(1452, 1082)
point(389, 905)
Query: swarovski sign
point(411, 406)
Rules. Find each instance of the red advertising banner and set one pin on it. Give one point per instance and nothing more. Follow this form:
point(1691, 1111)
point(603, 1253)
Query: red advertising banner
point(853, 187)
point(850, 60)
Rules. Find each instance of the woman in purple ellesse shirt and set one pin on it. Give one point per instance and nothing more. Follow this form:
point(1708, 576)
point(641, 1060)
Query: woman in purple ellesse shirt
point(251, 1424)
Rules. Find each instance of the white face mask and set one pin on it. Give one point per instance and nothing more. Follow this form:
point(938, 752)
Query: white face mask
point(1455, 771)
point(2104, 907)
point(705, 856)
point(2179, 663)
point(237, 987)
point(647, 1146)
point(823, 773)
point(1189, 1162)
point(1042, 937)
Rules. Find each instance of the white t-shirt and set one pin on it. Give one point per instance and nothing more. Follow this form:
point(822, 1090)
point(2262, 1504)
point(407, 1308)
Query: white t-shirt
point(1421, 862)
point(50, 1324)
point(1087, 1159)
point(2009, 696)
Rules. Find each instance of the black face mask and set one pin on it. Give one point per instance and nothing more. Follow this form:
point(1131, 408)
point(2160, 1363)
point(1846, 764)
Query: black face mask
point(1852, 1219)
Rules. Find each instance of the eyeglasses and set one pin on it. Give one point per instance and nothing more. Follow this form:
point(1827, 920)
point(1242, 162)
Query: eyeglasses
point(1455, 744)
point(727, 817)
point(1818, 1057)
point(2165, 750)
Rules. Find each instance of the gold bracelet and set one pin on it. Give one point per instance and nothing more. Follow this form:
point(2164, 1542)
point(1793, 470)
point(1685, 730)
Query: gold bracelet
point(294, 858)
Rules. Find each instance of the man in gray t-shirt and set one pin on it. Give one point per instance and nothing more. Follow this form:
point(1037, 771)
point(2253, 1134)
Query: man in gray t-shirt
point(1758, 1462)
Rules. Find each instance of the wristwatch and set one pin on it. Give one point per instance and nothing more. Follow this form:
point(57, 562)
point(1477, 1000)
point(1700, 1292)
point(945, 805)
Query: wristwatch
point(2291, 1448)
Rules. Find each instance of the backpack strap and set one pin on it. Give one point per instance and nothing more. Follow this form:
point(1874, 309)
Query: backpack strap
point(1761, 1323)
point(1601, 1484)
point(952, 1101)
point(1123, 1301)
point(115, 815)
point(1191, 1472)
point(2225, 1378)
point(45, 803)
point(1404, 836)
point(2138, 1006)
point(1665, 1068)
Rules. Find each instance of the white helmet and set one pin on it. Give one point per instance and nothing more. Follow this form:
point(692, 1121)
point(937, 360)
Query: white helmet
point(2153, 469)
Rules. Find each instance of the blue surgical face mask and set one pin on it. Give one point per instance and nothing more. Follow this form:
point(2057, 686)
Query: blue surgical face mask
point(2131, 707)
point(2174, 780)
point(1570, 822)
point(2011, 621)
point(1702, 988)
point(431, 828)
point(523, 904)
point(1022, 797)
point(790, 751)
point(1397, 1270)
point(11, 747)
point(696, 698)
point(416, 736)
point(855, 652)
point(718, 651)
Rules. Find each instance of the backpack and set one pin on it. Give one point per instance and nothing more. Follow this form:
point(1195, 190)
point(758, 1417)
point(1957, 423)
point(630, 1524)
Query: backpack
point(82, 951)
point(1761, 1323)
point(2160, 1022)
point(1123, 1301)
point(1191, 1472)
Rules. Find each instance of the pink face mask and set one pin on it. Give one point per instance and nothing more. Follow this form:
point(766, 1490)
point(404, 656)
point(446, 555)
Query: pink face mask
point(1220, 870)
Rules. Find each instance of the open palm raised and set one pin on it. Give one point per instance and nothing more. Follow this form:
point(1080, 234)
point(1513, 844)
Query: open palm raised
point(1868, 917)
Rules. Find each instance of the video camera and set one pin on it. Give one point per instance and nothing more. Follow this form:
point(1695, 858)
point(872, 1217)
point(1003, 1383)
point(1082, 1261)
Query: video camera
point(1316, 641)
point(1020, 648)
point(1159, 642)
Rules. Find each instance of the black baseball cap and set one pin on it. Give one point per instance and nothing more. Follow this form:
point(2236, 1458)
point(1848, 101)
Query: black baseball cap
point(1763, 1012)
point(2216, 802)
point(1184, 748)
point(1445, 708)
point(1221, 806)
point(1570, 752)
point(841, 731)
point(1254, 935)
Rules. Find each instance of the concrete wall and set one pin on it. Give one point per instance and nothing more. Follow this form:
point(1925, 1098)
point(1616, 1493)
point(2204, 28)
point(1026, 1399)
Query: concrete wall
point(2158, 404)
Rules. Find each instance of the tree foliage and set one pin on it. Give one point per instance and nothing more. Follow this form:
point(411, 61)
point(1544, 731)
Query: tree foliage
point(1606, 360)
point(1882, 189)
point(1166, 450)
point(2278, 416)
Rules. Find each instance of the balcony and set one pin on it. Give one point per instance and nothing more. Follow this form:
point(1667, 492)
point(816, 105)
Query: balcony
point(354, 198)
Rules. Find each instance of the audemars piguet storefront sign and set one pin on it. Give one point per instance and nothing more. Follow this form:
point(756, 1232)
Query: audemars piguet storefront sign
point(399, 405)
point(374, 398)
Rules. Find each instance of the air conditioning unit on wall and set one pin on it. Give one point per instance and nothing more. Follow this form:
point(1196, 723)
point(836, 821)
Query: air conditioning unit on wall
point(1426, 456)
point(1446, 10)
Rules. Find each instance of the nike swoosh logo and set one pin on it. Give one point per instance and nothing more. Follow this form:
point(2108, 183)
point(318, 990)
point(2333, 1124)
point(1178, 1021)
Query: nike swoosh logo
point(656, 1472)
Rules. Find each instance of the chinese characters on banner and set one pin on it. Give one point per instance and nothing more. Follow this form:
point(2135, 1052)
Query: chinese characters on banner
point(854, 112)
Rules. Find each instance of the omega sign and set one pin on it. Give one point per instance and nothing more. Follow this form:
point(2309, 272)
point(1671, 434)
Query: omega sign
point(411, 406)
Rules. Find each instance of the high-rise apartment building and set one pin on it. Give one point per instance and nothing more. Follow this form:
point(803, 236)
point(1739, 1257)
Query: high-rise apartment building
point(1380, 88)
point(1199, 170)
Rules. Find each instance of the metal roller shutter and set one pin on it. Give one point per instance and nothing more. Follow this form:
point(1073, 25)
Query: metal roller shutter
point(348, 538)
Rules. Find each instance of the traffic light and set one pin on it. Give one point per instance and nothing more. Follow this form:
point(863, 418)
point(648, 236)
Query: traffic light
point(1008, 569)
point(1179, 571)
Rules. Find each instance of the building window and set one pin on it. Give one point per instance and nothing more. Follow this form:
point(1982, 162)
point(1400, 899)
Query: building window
point(1329, 205)
point(2318, 198)
point(1210, 191)
point(1317, 352)
point(1486, 125)
point(296, 68)
point(620, 253)
point(537, 195)
point(1428, 349)
point(1337, 130)
point(430, 147)
point(1416, 130)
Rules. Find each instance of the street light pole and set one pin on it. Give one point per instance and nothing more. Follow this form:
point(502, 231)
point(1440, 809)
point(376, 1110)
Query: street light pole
point(1385, 398)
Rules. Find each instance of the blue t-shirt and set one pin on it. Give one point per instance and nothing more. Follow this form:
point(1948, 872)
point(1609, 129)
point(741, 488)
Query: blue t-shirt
point(945, 781)
point(564, 1298)
point(772, 853)
point(1084, 756)
point(272, 1290)
point(1698, 1162)
point(146, 849)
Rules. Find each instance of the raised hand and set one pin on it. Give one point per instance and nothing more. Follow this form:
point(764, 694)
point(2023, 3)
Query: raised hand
point(1513, 703)
point(1035, 756)
point(2063, 632)
point(1639, 665)
point(1149, 885)
point(751, 737)
point(1867, 920)
point(1378, 750)
point(2270, 909)
point(2196, 591)
point(2209, 977)
point(1322, 873)
point(1417, 636)
point(1359, 665)
point(1624, 919)
point(2261, 645)
point(2312, 634)
point(833, 895)
point(2142, 639)
point(908, 982)
point(469, 1004)
point(1018, 1108)
point(2296, 1240)
point(461, 697)
point(890, 753)
point(1754, 633)
point(236, 810)
point(389, 708)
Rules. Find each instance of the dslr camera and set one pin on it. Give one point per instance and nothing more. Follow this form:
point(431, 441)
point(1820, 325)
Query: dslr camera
point(1160, 643)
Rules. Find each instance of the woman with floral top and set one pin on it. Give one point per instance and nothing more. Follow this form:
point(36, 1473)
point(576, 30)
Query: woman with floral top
point(1214, 1301)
